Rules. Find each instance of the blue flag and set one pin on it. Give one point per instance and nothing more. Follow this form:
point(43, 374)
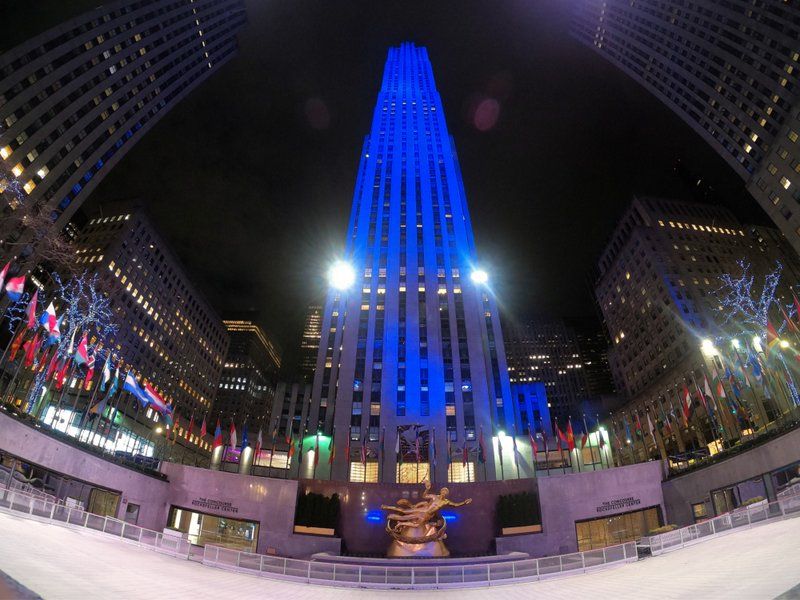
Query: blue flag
point(244, 437)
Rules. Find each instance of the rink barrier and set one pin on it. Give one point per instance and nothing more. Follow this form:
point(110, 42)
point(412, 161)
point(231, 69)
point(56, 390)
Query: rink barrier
point(786, 507)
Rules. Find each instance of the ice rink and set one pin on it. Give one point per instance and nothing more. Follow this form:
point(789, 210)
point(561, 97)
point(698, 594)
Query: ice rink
point(56, 562)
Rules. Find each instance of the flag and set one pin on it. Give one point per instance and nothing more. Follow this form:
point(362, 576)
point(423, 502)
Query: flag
point(259, 444)
point(132, 386)
point(191, 426)
point(30, 350)
point(4, 274)
point(232, 436)
point(245, 441)
point(300, 444)
point(15, 287)
point(217, 435)
point(396, 449)
point(570, 436)
point(82, 351)
point(600, 433)
point(203, 431)
point(560, 437)
point(584, 437)
point(707, 392)
point(464, 454)
point(772, 336)
point(481, 448)
point(99, 407)
point(48, 319)
point(790, 325)
point(755, 364)
point(106, 376)
point(316, 450)
point(364, 451)
point(31, 310)
point(432, 448)
point(15, 345)
point(87, 385)
point(291, 448)
point(54, 334)
point(331, 449)
point(650, 427)
point(534, 447)
point(157, 402)
point(175, 428)
point(51, 368)
point(61, 377)
point(114, 384)
point(686, 405)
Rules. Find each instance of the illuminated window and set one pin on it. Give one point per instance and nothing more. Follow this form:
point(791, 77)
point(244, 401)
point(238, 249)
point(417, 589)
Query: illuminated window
point(458, 472)
point(362, 473)
point(29, 187)
point(17, 170)
point(785, 183)
point(412, 472)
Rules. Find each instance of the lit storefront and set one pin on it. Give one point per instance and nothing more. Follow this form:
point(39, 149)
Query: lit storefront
point(203, 528)
point(617, 529)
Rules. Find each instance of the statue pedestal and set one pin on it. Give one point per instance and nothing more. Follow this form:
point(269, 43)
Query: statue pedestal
point(433, 549)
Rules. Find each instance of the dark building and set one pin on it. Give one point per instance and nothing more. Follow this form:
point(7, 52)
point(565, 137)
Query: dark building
point(74, 99)
point(168, 333)
point(309, 345)
point(247, 383)
point(729, 68)
point(547, 350)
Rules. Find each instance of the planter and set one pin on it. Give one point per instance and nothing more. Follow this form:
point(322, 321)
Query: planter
point(305, 530)
point(521, 529)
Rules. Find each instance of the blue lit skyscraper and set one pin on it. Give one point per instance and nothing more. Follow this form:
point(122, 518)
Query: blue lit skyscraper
point(413, 347)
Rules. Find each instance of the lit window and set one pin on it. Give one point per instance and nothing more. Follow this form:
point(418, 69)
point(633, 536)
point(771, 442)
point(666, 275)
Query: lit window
point(785, 183)
point(17, 170)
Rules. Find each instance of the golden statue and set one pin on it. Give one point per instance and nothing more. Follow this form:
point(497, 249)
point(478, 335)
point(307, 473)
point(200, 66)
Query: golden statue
point(419, 529)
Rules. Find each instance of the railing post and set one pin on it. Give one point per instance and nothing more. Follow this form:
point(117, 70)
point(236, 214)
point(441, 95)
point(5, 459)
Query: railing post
point(412, 576)
point(334, 570)
point(238, 560)
point(261, 564)
point(604, 555)
point(284, 566)
point(560, 563)
point(488, 574)
point(52, 511)
point(749, 521)
point(537, 569)
point(583, 561)
point(359, 574)
point(86, 520)
point(513, 572)
point(463, 577)
point(69, 513)
point(308, 574)
point(713, 528)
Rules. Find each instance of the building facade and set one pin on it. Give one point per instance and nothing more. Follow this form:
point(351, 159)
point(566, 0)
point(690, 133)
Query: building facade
point(727, 68)
point(546, 350)
point(411, 360)
point(659, 290)
point(167, 331)
point(75, 99)
point(249, 374)
point(309, 345)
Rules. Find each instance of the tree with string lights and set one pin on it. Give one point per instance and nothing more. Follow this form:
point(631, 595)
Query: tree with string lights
point(741, 303)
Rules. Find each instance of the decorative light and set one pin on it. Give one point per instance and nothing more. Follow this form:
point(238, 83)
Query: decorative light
point(735, 343)
point(757, 343)
point(341, 275)
point(159, 429)
point(479, 276)
point(784, 344)
point(707, 346)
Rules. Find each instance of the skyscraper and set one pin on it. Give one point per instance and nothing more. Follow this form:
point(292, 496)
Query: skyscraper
point(309, 345)
point(74, 99)
point(248, 379)
point(729, 68)
point(413, 348)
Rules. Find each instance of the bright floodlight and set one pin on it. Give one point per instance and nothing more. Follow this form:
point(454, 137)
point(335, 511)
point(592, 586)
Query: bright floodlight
point(784, 344)
point(707, 346)
point(479, 276)
point(341, 275)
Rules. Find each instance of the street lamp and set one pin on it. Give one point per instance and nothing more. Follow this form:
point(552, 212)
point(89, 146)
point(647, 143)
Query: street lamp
point(479, 276)
point(341, 275)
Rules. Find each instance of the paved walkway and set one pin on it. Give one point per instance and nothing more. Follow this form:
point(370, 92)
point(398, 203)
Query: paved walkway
point(56, 562)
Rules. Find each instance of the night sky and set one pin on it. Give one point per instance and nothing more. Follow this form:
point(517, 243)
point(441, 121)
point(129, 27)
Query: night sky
point(251, 177)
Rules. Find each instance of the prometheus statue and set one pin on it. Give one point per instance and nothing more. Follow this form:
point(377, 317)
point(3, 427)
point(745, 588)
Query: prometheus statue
point(419, 529)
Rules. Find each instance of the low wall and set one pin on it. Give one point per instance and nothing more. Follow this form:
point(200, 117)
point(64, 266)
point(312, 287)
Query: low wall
point(33, 446)
point(684, 490)
point(270, 502)
point(563, 499)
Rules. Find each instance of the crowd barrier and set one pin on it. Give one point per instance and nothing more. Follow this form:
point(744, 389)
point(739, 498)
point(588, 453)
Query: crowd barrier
point(786, 507)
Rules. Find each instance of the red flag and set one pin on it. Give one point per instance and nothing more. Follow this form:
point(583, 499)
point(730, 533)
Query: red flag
point(687, 405)
point(61, 376)
point(15, 345)
point(560, 437)
point(203, 431)
point(191, 426)
point(31, 346)
point(291, 448)
point(772, 335)
point(87, 385)
point(51, 368)
point(570, 436)
point(584, 439)
point(331, 451)
point(31, 310)
point(218, 435)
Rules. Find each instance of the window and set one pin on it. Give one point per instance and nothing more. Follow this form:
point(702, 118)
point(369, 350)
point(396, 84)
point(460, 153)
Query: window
point(364, 473)
point(412, 472)
point(700, 511)
point(458, 472)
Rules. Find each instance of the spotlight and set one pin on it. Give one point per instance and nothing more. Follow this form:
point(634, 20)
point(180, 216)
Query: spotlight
point(341, 275)
point(479, 276)
point(784, 344)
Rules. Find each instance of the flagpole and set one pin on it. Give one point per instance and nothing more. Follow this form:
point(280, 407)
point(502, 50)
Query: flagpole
point(589, 439)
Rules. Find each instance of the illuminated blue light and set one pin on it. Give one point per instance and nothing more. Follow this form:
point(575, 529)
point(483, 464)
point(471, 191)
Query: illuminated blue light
point(375, 516)
point(448, 516)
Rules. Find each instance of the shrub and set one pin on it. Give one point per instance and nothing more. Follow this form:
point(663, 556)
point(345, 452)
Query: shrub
point(662, 529)
point(753, 500)
point(517, 510)
point(316, 510)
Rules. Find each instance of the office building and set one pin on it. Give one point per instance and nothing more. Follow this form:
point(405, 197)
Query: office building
point(412, 351)
point(249, 375)
point(309, 345)
point(727, 68)
point(74, 99)
point(546, 350)
point(658, 290)
point(167, 331)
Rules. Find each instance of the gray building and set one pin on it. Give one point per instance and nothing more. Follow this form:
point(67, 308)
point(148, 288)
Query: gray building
point(309, 345)
point(729, 68)
point(167, 330)
point(76, 98)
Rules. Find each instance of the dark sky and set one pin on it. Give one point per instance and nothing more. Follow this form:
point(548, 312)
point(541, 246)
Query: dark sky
point(251, 177)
